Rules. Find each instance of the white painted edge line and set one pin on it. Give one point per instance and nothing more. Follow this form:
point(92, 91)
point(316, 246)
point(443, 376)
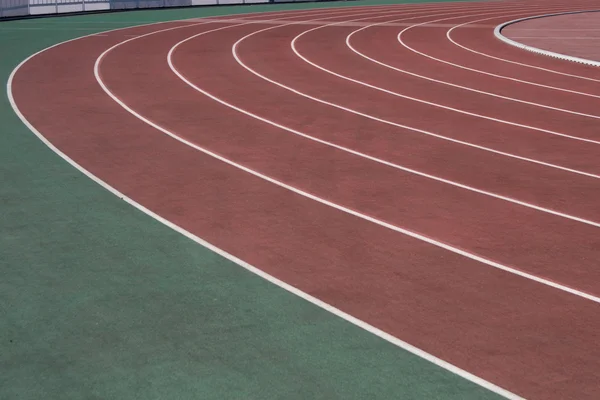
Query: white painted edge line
point(498, 34)
point(305, 296)
point(388, 163)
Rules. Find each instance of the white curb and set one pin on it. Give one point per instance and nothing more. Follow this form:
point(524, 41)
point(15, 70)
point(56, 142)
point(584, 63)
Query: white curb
point(499, 35)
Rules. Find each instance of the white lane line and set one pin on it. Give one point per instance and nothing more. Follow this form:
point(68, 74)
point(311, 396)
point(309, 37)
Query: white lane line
point(546, 164)
point(477, 90)
point(349, 44)
point(293, 290)
point(376, 221)
point(467, 24)
point(234, 51)
point(399, 38)
point(503, 38)
point(464, 87)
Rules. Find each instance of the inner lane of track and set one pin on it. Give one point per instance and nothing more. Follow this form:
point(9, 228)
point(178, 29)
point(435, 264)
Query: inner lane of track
point(532, 339)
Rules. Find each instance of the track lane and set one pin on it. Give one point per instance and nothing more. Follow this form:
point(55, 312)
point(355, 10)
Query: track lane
point(172, 173)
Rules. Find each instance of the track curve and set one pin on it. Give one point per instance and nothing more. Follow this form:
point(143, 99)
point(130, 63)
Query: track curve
point(424, 282)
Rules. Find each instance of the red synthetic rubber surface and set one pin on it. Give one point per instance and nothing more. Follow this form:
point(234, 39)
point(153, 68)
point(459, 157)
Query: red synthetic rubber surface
point(532, 339)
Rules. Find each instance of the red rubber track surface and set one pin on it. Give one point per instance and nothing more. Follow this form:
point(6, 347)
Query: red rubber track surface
point(532, 339)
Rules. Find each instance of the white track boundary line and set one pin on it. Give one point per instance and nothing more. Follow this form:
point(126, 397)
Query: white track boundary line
point(306, 194)
point(449, 36)
point(348, 43)
point(388, 163)
point(550, 165)
point(305, 296)
point(399, 38)
point(499, 35)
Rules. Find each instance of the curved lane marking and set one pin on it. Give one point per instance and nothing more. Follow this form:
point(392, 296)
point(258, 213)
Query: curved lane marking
point(348, 43)
point(300, 192)
point(558, 109)
point(399, 38)
point(388, 163)
point(348, 38)
point(324, 201)
point(546, 164)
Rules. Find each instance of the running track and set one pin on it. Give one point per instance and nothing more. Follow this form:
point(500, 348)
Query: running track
point(396, 162)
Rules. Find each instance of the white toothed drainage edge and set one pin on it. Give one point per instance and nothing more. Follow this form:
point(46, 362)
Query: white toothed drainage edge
point(499, 35)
